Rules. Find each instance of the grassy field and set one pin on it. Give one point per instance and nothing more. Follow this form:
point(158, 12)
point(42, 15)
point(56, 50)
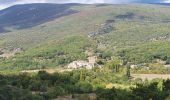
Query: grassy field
point(151, 76)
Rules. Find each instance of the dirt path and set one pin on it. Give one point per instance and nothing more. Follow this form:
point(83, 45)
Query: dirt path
point(151, 76)
point(91, 56)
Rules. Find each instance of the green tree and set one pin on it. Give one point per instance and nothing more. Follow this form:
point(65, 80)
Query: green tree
point(128, 71)
point(115, 64)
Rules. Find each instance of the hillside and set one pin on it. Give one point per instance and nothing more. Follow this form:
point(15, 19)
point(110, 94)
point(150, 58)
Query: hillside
point(30, 15)
point(52, 54)
point(129, 20)
point(105, 28)
point(148, 52)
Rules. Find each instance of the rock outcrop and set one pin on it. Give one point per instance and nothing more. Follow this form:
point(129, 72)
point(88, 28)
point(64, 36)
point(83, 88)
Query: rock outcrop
point(107, 27)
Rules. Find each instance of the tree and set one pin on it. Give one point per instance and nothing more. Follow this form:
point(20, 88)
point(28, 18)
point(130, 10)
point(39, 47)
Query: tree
point(84, 87)
point(117, 63)
point(56, 91)
point(128, 71)
point(114, 64)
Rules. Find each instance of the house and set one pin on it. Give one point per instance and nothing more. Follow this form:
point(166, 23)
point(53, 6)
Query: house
point(80, 64)
point(84, 64)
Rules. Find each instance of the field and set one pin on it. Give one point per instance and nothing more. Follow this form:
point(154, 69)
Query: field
point(151, 76)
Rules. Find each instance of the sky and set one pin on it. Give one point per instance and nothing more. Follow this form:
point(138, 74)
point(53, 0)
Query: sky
point(8, 3)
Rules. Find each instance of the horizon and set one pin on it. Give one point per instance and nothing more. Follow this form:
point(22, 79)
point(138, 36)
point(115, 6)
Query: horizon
point(82, 4)
point(9, 3)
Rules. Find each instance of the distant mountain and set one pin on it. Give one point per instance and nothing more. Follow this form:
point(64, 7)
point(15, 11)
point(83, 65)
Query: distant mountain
point(165, 4)
point(130, 23)
point(29, 15)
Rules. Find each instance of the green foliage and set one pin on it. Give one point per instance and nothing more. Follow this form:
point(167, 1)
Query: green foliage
point(56, 91)
point(114, 64)
point(168, 61)
point(106, 94)
point(147, 53)
point(64, 40)
point(105, 54)
point(51, 54)
point(84, 87)
point(53, 45)
point(13, 93)
point(46, 86)
point(147, 92)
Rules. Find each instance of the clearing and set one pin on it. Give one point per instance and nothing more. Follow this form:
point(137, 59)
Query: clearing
point(151, 76)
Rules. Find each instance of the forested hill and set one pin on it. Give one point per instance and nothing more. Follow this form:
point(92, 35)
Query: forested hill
point(54, 37)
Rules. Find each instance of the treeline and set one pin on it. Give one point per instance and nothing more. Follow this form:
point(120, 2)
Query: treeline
point(44, 86)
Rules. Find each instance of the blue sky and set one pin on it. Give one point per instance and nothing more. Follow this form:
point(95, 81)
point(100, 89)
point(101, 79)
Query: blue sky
point(7, 3)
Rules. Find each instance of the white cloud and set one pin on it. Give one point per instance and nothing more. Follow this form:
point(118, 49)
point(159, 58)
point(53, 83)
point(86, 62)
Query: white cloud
point(8, 4)
point(3, 6)
point(167, 1)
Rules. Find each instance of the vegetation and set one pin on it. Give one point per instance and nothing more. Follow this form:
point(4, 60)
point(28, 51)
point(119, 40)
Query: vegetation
point(44, 86)
point(51, 54)
point(137, 25)
point(135, 30)
point(123, 35)
point(148, 52)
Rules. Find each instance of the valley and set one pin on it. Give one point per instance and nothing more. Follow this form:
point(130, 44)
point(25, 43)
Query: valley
point(80, 51)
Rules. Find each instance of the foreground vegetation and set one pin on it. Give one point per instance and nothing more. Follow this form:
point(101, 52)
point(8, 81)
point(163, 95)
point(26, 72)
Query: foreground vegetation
point(79, 84)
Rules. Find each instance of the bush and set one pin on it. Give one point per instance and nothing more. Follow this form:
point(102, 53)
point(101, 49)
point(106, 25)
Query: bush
point(84, 87)
point(168, 61)
point(56, 91)
point(3, 82)
point(35, 86)
point(106, 94)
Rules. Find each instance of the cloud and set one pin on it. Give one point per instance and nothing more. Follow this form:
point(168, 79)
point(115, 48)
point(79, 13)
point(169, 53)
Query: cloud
point(7, 3)
point(167, 1)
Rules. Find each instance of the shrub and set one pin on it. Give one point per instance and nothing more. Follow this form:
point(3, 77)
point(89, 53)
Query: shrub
point(84, 87)
point(56, 91)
